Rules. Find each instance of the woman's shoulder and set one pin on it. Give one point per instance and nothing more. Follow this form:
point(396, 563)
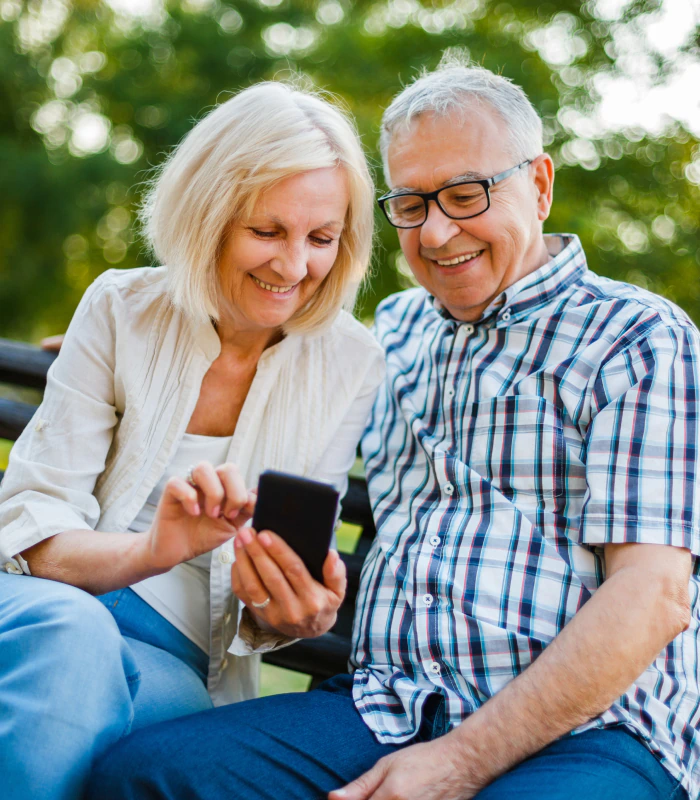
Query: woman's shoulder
point(126, 293)
point(348, 331)
point(138, 280)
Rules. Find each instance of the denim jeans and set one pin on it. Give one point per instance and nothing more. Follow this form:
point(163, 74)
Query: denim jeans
point(300, 746)
point(77, 674)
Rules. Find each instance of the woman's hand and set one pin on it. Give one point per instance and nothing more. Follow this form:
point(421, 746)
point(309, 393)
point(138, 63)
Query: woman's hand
point(300, 607)
point(191, 520)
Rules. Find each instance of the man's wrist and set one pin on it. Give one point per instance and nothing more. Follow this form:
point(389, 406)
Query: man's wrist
point(475, 770)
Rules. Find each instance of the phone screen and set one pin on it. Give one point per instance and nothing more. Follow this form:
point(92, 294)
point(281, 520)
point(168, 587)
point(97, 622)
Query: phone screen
point(301, 511)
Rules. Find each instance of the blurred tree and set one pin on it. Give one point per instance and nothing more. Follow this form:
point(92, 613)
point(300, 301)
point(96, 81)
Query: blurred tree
point(94, 93)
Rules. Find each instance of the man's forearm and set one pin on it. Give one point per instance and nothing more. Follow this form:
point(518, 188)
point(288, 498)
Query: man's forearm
point(593, 661)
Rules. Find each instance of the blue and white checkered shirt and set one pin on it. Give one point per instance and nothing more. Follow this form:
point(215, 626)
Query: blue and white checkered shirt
point(501, 456)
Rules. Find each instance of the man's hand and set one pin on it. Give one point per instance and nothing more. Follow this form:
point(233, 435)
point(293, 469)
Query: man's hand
point(429, 771)
point(300, 607)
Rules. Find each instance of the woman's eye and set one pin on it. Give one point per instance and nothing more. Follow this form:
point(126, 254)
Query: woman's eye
point(264, 234)
point(321, 240)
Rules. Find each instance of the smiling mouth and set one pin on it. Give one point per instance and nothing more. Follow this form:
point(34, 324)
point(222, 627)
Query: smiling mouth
point(452, 262)
point(270, 287)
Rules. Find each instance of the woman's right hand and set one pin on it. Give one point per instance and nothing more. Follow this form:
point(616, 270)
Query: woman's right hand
point(192, 520)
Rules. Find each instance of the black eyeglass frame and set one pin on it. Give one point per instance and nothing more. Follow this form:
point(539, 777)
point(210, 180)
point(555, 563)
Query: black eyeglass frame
point(426, 197)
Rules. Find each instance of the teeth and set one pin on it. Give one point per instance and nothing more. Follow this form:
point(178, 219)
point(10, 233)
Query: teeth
point(270, 287)
point(459, 259)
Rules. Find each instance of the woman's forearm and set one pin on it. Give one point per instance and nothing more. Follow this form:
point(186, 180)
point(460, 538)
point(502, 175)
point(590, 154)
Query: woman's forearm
point(93, 561)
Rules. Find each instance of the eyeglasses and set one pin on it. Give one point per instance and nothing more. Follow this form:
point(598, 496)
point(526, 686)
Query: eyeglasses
point(457, 201)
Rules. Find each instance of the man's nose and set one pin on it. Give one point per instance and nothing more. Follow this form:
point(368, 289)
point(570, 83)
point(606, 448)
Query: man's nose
point(438, 228)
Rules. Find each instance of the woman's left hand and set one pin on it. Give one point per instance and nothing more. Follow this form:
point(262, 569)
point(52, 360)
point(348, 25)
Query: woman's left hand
point(299, 607)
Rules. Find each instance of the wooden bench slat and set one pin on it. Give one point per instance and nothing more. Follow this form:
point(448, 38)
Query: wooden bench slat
point(23, 364)
point(323, 657)
point(14, 418)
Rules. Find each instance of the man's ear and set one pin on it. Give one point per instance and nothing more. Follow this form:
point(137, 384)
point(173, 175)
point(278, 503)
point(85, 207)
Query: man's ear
point(543, 167)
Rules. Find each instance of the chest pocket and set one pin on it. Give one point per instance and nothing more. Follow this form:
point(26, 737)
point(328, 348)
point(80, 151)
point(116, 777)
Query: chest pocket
point(516, 443)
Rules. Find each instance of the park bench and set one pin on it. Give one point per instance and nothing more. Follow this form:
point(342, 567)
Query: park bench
point(23, 367)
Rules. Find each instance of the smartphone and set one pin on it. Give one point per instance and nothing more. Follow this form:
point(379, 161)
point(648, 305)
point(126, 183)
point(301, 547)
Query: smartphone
point(300, 511)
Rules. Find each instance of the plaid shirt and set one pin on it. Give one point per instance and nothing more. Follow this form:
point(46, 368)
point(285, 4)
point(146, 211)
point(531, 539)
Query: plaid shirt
point(501, 456)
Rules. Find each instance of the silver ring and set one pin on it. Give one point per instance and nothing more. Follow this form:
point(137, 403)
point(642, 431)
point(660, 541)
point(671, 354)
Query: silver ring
point(190, 477)
point(264, 604)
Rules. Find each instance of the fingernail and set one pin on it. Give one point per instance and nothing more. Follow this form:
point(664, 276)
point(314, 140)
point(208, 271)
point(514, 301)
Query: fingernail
point(215, 511)
point(244, 536)
point(265, 539)
point(197, 509)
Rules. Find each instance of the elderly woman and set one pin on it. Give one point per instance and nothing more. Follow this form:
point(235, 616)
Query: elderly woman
point(234, 357)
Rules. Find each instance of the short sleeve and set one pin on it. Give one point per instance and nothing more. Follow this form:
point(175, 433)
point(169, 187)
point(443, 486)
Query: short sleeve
point(642, 443)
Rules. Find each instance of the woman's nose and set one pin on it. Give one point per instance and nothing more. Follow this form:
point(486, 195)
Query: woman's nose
point(292, 266)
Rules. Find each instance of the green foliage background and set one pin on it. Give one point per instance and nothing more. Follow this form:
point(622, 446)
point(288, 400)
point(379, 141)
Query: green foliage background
point(71, 69)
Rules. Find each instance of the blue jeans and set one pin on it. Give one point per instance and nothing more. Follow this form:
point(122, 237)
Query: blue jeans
point(75, 677)
point(300, 746)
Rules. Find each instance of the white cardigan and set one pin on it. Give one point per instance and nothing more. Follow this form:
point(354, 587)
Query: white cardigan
point(118, 400)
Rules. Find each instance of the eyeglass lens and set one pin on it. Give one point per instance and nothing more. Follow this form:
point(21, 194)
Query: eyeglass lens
point(460, 201)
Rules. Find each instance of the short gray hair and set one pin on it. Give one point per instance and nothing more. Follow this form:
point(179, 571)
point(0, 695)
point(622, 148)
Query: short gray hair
point(453, 86)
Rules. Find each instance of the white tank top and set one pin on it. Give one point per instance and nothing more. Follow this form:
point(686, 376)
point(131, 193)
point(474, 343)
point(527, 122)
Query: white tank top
point(182, 595)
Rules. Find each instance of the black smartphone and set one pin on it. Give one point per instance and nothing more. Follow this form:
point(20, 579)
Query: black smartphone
point(300, 511)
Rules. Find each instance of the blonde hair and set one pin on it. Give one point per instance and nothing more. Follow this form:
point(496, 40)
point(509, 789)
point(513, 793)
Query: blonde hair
point(241, 148)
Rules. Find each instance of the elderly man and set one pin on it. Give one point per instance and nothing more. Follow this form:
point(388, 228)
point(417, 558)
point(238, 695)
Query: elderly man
point(531, 463)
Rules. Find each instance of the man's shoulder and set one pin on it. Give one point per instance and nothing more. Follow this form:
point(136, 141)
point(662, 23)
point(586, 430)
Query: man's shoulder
point(404, 309)
point(620, 302)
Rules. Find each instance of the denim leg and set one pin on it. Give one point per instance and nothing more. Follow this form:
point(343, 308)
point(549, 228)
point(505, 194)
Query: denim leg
point(608, 764)
point(138, 620)
point(290, 747)
point(67, 681)
point(168, 687)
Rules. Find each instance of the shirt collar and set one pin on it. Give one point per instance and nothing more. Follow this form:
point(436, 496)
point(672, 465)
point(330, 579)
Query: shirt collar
point(538, 288)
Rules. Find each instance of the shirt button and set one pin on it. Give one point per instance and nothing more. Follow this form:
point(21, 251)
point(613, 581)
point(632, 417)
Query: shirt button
point(448, 488)
point(505, 316)
point(435, 668)
point(450, 391)
point(468, 329)
point(13, 569)
point(428, 599)
point(225, 557)
point(434, 541)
